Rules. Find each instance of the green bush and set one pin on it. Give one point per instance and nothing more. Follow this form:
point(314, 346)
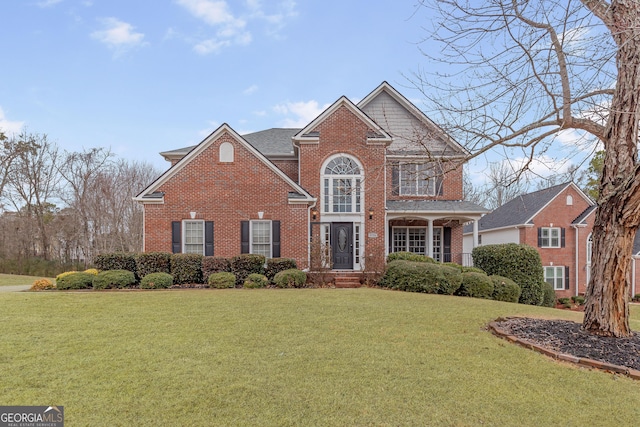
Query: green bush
point(549, 299)
point(116, 261)
point(520, 263)
point(564, 300)
point(79, 280)
point(578, 299)
point(222, 280)
point(111, 279)
point(245, 264)
point(255, 280)
point(152, 262)
point(476, 285)
point(452, 280)
point(158, 280)
point(409, 256)
point(186, 268)
point(213, 264)
point(636, 298)
point(505, 289)
point(292, 278)
point(411, 276)
point(276, 265)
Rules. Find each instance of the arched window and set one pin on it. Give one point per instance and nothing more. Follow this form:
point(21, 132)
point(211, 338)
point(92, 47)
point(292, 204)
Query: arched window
point(342, 185)
point(569, 200)
point(226, 152)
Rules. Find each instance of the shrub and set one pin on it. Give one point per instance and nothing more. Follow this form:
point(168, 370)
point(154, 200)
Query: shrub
point(75, 280)
point(452, 280)
point(42, 285)
point(65, 274)
point(157, 280)
point(93, 271)
point(245, 264)
point(222, 280)
point(477, 285)
point(505, 289)
point(186, 268)
point(549, 299)
point(409, 256)
point(520, 263)
point(636, 298)
point(292, 278)
point(255, 280)
point(116, 261)
point(423, 277)
point(114, 279)
point(578, 299)
point(211, 264)
point(152, 262)
point(564, 301)
point(276, 265)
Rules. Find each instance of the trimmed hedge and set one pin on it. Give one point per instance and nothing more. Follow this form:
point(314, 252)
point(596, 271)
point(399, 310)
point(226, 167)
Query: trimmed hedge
point(222, 280)
point(452, 280)
point(212, 264)
point(549, 298)
point(77, 280)
point(186, 268)
point(520, 263)
point(505, 289)
point(111, 279)
point(422, 276)
point(292, 278)
point(255, 280)
point(246, 264)
point(152, 262)
point(476, 285)
point(159, 280)
point(276, 265)
point(116, 261)
point(409, 256)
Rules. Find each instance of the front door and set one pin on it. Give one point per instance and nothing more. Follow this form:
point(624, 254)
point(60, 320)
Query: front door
point(342, 245)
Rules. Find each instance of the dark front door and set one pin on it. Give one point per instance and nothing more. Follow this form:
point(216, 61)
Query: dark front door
point(342, 245)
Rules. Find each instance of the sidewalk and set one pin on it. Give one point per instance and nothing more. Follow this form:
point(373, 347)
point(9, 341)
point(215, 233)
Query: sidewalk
point(17, 288)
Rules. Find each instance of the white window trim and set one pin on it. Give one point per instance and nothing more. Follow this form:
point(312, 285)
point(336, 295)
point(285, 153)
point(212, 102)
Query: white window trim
point(262, 221)
point(549, 237)
point(326, 195)
point(426, 236)
point(555, 278)
point(431, 185)
point(184, 235)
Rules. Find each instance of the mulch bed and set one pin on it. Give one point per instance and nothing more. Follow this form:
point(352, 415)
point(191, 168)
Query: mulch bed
point(567, 337)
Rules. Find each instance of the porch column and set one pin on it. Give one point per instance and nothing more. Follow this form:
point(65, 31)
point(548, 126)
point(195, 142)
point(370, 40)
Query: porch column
point(430, 238)
point(475, 233)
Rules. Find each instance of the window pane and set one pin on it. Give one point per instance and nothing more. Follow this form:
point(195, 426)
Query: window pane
point(342, 166)
point(417, 240)
point(194, 237)
point(342, 194)
point(261, 238)
point(399, 239)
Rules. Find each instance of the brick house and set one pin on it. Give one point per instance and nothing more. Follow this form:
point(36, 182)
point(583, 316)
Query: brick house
point(359, 181)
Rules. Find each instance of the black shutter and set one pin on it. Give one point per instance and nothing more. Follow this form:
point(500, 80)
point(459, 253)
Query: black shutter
point(244, 237)
point(390, 238)
point(566, 277)
point(562, 237)
point(539, 237)
point(395, 179)
point(446, 250)
point(275, 236)
point(176, 237)
point(208, 238)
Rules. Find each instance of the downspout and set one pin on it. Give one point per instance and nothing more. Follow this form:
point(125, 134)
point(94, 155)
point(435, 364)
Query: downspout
point(309, 209)
point(577, 258)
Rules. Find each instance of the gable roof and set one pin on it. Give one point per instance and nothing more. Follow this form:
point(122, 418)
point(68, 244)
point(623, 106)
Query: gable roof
point(310, 135)
point(452, 146)
point(522, 209)
point(151, 194)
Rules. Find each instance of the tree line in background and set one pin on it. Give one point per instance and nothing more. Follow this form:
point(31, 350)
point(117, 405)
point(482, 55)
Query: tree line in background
point(59, 209)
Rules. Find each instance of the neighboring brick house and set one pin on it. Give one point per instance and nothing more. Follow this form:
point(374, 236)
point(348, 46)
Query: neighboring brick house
point(359, 181)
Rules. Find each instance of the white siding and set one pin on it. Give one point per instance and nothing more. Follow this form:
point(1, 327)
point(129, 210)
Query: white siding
point(509, 235)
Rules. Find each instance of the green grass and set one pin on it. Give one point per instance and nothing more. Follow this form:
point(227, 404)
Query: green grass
point(16, 279)
point(357, 357)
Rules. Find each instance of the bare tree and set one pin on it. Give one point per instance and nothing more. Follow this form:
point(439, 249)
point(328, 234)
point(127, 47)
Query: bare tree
point(523, 71)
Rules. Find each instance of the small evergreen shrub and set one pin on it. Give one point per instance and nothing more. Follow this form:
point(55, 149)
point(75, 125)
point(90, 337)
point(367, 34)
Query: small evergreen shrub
point(115, 261)
point(636, 298)
point(75, 280)
point(505, 289)
point(411, 276)
point(222, 280)
point(276, 265)
point(476, 285)
point(409, 256)
point(549, 298)
point(65, 274)
point(292, 278)
point(520, 263)
point(112, 279)
point(564, 300)
point(472, 270)
point(255, 280)
point(152, 262)
point(212, 264)
point(245, 264)
point(578, 299)
point(186, 268)
point(42, 285)
point(158, 280)
point(452, 280)
point(93, 271)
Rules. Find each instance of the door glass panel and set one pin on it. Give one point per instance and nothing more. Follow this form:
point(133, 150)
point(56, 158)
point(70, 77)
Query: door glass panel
point(342, 239)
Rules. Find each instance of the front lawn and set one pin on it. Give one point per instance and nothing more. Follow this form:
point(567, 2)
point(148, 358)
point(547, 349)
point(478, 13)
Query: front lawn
point(16, 280)
point(325, 357)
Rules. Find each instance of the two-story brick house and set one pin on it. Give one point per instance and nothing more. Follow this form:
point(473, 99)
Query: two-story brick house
point(359, 180)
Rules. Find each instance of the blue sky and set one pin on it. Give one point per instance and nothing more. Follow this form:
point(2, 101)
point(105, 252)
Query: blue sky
point(143, 76)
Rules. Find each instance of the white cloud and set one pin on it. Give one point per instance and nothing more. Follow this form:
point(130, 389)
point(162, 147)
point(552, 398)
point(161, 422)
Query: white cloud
point(206, 47)
point(302, 112)
point(118, 35)
point(250, 90)
point(9, 127)
point(542, 166)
